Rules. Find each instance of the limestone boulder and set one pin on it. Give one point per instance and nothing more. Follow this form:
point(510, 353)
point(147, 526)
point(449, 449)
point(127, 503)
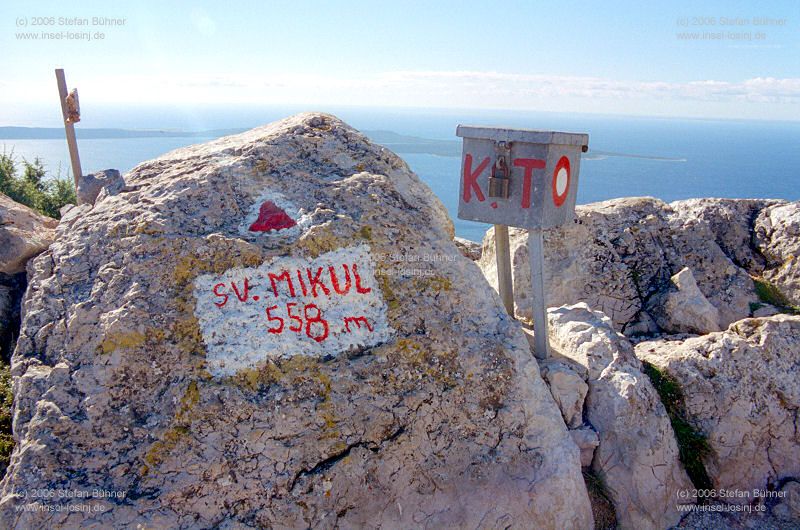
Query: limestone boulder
point(682, 308)
point(637, 455)
point(24, 234)
point(777, 237)
point(741, 390)
point(275, 329)
point(732, 222)
point(620, 254)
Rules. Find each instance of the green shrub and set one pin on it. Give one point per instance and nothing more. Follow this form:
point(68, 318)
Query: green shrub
point(6, 398)
point(692, 444)
point(46, 195)
point(600, 496)
point(769, 293)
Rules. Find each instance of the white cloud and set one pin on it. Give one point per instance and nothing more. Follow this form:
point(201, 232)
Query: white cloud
point(765, 97)
point(756, 89)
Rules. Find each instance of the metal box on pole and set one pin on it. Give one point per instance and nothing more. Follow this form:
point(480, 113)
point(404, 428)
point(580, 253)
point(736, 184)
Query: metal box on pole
point(522, 178)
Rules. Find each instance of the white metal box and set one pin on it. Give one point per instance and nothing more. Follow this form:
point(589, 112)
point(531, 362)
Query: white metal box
point(522, 178)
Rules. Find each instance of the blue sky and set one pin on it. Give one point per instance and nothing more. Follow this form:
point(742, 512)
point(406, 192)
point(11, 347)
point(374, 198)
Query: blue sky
point(612, 57)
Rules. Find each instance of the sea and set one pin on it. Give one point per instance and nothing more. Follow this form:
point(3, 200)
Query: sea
point(667, 158)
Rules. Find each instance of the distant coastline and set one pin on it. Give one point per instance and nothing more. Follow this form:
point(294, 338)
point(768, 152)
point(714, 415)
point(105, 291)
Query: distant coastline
point(396, 142)
point(399, 143)
point(57, 133)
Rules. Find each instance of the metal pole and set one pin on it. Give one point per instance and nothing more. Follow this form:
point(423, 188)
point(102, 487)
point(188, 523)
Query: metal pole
point(69, 127)
point(541, 344)
point(502, 250)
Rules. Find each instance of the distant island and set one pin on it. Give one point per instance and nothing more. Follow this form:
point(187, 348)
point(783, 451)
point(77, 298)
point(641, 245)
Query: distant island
point(399, 143)
point(57, 133)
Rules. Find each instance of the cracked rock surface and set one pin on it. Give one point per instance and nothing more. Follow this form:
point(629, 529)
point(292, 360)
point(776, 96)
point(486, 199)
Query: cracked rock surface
point(741, 390)
point(446, 424)
point(619, 256)
point(637, 454)
point(777, 235)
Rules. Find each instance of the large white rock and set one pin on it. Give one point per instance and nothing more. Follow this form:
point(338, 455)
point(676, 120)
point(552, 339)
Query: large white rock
point(638, 454)
point(140, 368)
point(742, 390)
point(619, 254)
point(777, 236)
point(24, 233)
point(732, 222)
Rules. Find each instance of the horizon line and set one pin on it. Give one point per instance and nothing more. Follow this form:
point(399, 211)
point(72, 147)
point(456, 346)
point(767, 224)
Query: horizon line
point(433, 110)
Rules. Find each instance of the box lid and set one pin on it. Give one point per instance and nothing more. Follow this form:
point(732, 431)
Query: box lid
point(503, 134)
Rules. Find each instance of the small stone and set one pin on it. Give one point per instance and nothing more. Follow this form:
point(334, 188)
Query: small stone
point(65, 209)
point(587, 441)
point(766, 310)
point(568, 389)
point(90, 186)
point(469, 249)
point(683, 308)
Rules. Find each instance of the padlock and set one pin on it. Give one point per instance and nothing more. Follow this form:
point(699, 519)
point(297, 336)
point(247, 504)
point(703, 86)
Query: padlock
point(499, 181)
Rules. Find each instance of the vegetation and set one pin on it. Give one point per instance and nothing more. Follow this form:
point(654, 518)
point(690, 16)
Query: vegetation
point(768, 293)
point(692, 444)
point(6, 397)
point(34, 188)
point(600, 497)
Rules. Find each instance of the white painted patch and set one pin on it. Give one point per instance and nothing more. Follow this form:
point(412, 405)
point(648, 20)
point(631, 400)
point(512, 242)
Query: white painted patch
point(299, 215)
point(271, 317)
point(561, 181)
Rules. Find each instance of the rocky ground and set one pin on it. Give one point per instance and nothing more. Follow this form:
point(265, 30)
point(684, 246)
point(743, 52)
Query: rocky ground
point(278, 329)
point(23, 235)
point(701, 295)
point(138, 368)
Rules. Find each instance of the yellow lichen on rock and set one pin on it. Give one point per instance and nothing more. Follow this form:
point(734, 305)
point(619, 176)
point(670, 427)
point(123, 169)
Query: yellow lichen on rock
point(160, 449)
point(129, 339)
point(319, 240)
point(435, 283)
point(365, 232)
point(268, 373)
point(122, 340)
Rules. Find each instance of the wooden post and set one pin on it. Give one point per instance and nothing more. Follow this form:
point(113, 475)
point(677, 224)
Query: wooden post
point(69, 127)
point(541, 343)
point(502, 250)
